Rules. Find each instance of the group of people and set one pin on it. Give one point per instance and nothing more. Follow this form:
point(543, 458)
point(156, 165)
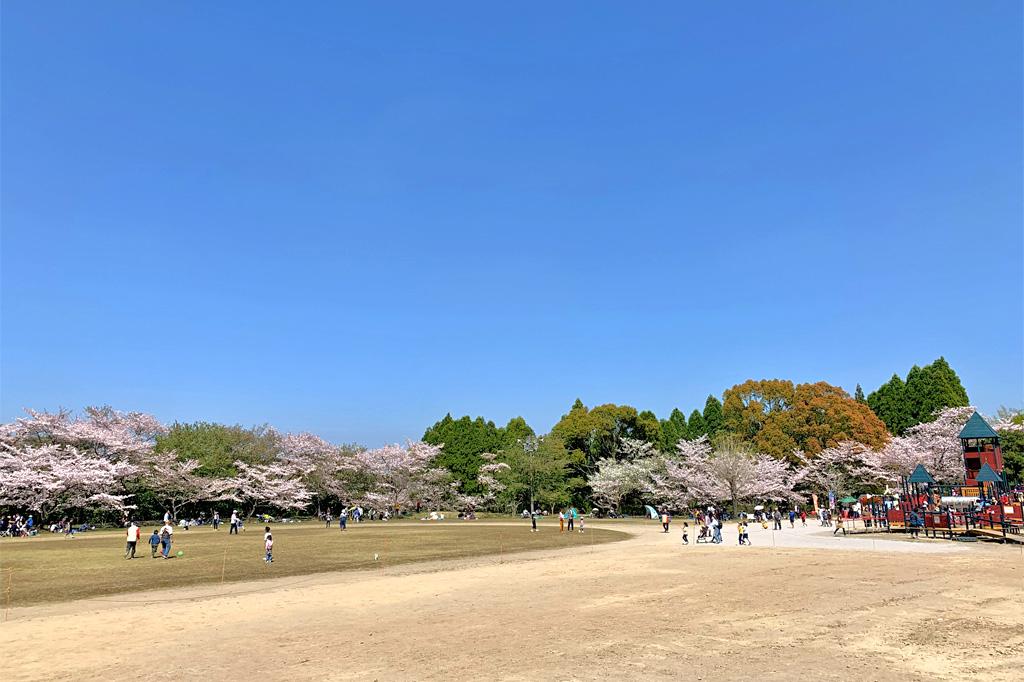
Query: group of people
point(356, 514)
point(161, 541)
point(567, 520)
point(18, 526)
point(25, 526)
point(343, 515)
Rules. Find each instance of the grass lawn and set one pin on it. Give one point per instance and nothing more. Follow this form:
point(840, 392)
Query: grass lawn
point(51, 568)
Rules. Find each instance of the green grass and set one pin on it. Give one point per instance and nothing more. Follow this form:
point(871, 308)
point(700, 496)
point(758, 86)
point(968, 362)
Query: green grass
point(51, 568)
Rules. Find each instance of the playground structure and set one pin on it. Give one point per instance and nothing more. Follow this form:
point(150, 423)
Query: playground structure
point(982, 506)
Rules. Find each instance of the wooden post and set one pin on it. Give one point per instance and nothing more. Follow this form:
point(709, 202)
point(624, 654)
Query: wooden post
point(10, 583)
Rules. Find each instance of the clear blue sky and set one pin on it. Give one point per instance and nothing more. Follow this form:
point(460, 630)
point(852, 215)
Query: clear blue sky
point(352, 220)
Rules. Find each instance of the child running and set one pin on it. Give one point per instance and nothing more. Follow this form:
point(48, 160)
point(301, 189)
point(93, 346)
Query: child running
point(686, 533)
point(268, 543)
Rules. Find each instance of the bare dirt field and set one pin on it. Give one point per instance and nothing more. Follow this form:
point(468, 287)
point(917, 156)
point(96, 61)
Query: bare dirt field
point(812, 606)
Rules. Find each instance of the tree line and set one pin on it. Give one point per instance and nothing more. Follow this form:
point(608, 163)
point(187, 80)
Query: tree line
point(775, 435)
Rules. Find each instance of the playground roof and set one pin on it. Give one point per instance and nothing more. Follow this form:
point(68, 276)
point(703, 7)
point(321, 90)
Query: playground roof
point(976, 427)
point(988, 475)
point(921, 475)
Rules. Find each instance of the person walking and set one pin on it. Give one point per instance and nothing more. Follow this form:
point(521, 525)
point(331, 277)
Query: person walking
point(803, 518)
point(792, 518)
point(268, 545)
point(533, 521)
point(166, 539)
point(216, 520)
point(777, 518)
point(154, 543)
point(343, 518)
point(134, 533)
point(561, 520)
point(839, 525)
point(572, 518)
point(327, 519)
point(915, 525)
point(234, 522)
point(686, 533)
point(665, 520)
point(716, 530)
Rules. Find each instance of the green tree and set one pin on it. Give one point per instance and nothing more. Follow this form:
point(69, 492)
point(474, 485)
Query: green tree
point(673, 430)
point(464, 440)
point(598, 432)
point(890, 404)
point(695, 426)
point(926, 391)
point(933, 388)
point(539, 471)
point(516, 430)
point(1012, 444)
point(647, 428)
point(217, 447)
point(858, 395)
point(713, 416)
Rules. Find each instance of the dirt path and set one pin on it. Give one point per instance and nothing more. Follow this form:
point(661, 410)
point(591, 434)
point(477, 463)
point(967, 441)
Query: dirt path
point(645, 608)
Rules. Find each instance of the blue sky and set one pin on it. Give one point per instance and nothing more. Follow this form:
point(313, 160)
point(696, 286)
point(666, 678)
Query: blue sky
point(352, 220)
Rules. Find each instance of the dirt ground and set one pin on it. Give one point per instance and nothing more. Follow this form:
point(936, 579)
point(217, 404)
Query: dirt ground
point(812, 606)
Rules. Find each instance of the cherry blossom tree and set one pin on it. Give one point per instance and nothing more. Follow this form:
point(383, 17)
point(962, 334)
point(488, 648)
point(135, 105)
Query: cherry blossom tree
point(615, 480)
point(841, 469)
point(935, 444)
point(102, 431)
point(57, 478)
point(731, 472)
point(488, 480)
point(1007, 419)
point(326, 469)
point(397, 475)
point(277, 485)
point(633, 449)
point(175, 482)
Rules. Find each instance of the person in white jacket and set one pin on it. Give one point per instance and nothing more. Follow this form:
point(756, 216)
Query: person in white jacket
point(132, 538)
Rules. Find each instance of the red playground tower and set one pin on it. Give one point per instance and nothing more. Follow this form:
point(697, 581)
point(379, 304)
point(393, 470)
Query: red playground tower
point(981, 446)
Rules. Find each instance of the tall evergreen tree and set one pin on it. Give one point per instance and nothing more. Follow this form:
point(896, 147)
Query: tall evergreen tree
point(672, 430)
point(926, 391)
point(889, 403)
point(712, 416)
point(858, 395)
point(464, 439)
point(515, 431)
point(942, 389)
point(913, 394)
point(695, 427)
